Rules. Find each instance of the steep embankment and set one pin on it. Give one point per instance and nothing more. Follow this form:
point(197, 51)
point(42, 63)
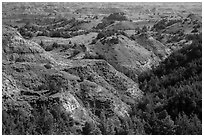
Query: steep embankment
point(70, 95)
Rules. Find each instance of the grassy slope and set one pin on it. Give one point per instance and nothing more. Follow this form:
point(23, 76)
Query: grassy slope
point(127, 54)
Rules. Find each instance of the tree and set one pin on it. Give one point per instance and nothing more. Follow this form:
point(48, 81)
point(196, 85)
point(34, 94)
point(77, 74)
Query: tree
point(170, 91)
point(188, 125)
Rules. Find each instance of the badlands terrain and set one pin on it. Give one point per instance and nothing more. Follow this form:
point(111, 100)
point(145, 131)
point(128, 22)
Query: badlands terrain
point(101, 68)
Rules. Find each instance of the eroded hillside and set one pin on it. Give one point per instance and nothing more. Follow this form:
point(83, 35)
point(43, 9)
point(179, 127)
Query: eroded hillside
point(73, 68)
point(84, 88)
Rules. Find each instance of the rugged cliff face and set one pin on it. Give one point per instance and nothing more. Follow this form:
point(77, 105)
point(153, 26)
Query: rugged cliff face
point(82, 88)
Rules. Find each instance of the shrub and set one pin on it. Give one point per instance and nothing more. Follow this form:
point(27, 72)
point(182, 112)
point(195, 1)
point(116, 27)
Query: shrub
point(48, 66)
point(100, 35)
point(49, 48)
point(114, 40)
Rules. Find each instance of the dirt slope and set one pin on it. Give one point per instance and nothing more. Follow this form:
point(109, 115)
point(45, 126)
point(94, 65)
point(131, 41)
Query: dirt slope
point(75, 83)
point(130, 56)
